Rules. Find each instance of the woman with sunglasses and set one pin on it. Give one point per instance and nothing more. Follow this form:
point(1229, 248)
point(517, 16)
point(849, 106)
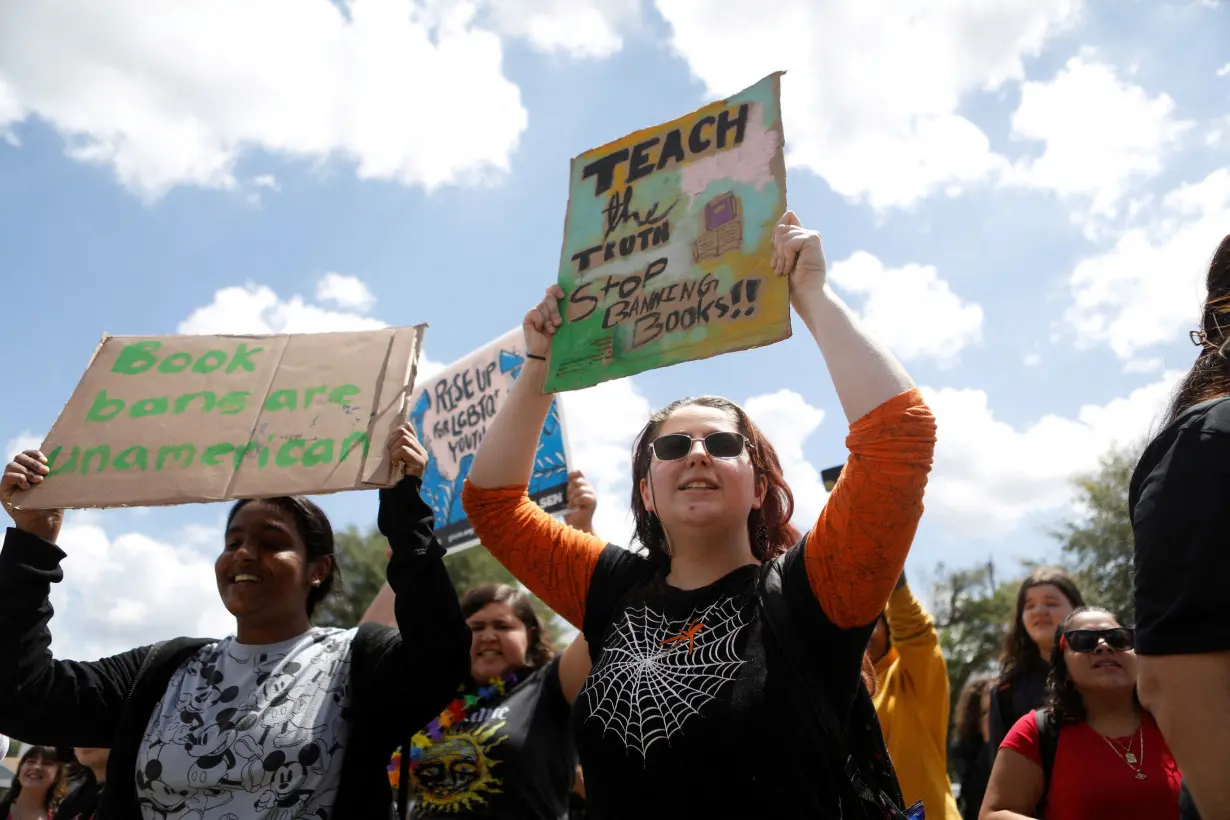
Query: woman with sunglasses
point(1110, 759)
point(689, 709)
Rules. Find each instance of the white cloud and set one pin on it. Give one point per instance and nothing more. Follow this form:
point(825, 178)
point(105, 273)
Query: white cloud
point(988, 474)
point(1032, 360)
point(1100, 133)
point(910, 308)
point(130, 589)
point(602, 422)
point(788, 421)
point(575, 27)
point(174, 94)
point(347, 292)
point(1224, 70)
point(257, 309)
point(1147, 289)
point(19, 444)
point(872, 97)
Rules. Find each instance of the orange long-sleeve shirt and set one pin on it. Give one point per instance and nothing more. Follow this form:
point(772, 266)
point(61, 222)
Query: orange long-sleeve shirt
point(854, 553)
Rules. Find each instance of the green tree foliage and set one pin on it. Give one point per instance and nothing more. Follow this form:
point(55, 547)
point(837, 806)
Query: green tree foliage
point(972, 609)
point(1097, 540)
point(362, 559)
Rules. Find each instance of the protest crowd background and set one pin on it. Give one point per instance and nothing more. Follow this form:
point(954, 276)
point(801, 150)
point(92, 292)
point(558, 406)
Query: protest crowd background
point(482, 649)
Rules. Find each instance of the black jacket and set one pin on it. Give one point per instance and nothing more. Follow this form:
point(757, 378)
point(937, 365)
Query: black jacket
point(400, 679)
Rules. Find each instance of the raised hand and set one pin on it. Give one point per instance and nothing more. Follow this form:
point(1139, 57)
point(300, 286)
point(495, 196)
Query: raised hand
point(23, 472)
point(799, 254)
point(582, 502)
point(542, 321)
point(409, 454)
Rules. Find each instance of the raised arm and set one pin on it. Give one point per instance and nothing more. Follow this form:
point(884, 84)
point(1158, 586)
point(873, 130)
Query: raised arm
point(419, 672)
point(42, 700)
point(857, 549)
point(554, 560)
point(918, 647)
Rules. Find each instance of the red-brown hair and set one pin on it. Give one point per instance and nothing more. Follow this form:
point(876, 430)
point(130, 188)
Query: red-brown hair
point(768, 528)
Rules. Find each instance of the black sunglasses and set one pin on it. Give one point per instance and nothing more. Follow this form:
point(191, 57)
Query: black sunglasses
point(1086, 640)
point(675, 446)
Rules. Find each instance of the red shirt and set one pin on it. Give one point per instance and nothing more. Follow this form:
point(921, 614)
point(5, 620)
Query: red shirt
point(1089, 781)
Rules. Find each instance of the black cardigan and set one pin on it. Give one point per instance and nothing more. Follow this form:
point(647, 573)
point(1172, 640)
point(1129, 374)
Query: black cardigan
point(400, 679)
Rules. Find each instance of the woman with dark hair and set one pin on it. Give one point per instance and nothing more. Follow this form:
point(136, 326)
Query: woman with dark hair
point(38, 786)
point(1044, 599)
point(1109, 758)
point(970, 755)
point(502, 749)
point(1180, 517)
point(283, 718)
point(720, 655)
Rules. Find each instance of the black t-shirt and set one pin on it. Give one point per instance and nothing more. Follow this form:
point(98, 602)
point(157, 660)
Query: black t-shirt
point(511, 758)
point(684, 713)
point(1180, 506)
point(81, 803)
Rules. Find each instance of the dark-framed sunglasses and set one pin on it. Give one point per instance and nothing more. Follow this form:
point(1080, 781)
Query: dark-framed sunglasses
point(674, 446)
point(1086, 640)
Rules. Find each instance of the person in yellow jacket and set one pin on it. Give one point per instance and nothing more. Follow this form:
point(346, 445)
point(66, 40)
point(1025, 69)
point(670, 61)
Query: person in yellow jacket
point(911, 701)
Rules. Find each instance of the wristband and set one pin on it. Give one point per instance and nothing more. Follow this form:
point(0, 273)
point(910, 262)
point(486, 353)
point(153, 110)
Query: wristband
point(535, 356)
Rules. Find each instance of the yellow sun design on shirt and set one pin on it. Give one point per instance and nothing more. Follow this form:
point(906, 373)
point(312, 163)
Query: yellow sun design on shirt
point(455, 774)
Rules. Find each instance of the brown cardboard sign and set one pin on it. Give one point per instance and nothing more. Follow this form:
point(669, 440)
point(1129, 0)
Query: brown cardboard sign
point(178, 419)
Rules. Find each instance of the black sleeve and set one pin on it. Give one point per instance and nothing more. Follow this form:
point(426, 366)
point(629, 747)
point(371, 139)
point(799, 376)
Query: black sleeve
point(418, 671)
point(1181, 522)
point(42, 700)
point(617, 572)
point(844, 648)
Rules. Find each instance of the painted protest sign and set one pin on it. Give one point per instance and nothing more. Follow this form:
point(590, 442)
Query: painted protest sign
point(668, 243)
point(451, 412)
point(175, 419)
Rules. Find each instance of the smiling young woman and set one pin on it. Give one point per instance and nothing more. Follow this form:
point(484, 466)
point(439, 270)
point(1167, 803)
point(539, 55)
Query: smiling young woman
point(39, 785)
point(283, 716)
point(1110, 759)
point(691, 674)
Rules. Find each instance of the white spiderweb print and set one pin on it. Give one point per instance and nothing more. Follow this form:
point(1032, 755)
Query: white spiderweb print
point(654, 674)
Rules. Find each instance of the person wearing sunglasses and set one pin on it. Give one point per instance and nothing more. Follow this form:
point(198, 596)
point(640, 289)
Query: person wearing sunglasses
point(705, 697)
point(1108, 757)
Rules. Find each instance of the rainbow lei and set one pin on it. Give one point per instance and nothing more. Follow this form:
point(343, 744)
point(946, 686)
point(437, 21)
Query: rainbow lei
point(456, 712)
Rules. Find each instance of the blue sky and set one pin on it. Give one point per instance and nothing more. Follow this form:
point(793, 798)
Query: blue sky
point(1019, 197)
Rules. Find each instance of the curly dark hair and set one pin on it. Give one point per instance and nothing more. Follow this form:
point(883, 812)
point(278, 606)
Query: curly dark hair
point(768, 528)
point(1063, 700)
point(316, 532)
point(1209, 377)
point(540, 650)
point(967, 721)
point(1020, 652)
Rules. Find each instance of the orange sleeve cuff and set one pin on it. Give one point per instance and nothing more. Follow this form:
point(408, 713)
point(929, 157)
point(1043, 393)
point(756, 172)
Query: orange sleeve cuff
point(857, 549)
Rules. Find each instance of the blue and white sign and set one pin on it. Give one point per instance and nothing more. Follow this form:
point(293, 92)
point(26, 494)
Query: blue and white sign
point(450, 413)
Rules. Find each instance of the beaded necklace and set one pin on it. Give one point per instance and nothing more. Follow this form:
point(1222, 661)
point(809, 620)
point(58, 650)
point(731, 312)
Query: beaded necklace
point(461, 707)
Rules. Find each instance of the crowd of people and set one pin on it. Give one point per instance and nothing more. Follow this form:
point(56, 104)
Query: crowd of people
point(734, 664)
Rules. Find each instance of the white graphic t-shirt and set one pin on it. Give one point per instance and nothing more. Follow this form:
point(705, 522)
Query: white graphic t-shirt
point(247, 732)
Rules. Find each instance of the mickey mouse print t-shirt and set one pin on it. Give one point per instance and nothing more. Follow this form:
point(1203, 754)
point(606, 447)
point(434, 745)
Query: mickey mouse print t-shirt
point(247, 732)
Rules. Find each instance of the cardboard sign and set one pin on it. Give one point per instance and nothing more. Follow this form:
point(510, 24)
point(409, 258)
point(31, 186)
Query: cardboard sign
point(451, 412)
point(175, 419)
point(668, 244)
